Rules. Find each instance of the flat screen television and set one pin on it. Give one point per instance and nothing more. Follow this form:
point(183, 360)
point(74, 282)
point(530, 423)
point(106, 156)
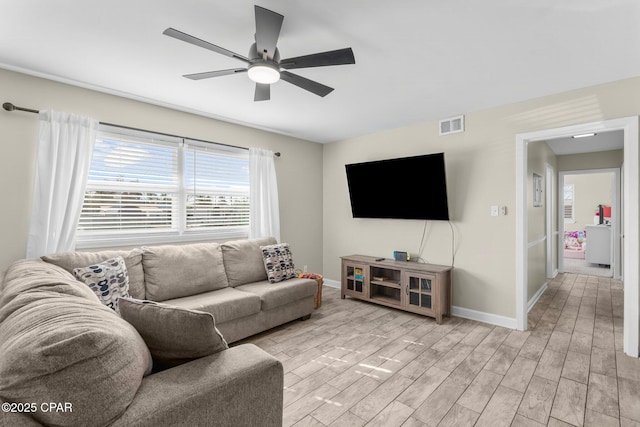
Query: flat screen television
point(402, 188)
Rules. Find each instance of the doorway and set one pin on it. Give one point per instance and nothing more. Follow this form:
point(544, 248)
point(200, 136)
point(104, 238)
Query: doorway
point(591, 242)
point(631, 218)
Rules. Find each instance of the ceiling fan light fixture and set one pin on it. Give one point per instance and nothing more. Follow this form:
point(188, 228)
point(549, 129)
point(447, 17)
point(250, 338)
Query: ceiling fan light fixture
point(263, 60)
point(264, 72)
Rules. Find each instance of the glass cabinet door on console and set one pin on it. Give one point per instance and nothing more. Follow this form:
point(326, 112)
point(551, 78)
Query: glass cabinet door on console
point(355, 278)
point(420, 292)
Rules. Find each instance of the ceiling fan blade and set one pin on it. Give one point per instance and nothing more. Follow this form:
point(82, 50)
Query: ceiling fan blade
point(306, 84)
point(333, 57)
point(172, 32)
point(209, 74)
point(263, 92)
point(268, 26)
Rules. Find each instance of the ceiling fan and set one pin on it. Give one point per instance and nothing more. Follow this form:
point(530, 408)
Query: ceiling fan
point(264, 63)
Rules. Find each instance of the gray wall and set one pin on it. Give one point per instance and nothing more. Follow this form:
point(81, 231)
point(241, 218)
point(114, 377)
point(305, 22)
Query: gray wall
point(590, 190)
point(480, 173)
point(538, 156)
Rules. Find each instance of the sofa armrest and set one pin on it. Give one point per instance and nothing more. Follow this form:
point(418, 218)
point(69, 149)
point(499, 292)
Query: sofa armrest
point(240, 386)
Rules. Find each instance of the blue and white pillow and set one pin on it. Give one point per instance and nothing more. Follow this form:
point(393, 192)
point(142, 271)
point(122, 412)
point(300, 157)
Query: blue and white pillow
point(109, 280)
point(278, 261)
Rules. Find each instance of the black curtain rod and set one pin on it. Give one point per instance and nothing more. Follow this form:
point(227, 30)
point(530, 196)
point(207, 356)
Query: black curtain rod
point(10, 107)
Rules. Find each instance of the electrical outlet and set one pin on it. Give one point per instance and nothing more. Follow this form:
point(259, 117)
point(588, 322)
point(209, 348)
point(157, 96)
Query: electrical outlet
point(503, 210)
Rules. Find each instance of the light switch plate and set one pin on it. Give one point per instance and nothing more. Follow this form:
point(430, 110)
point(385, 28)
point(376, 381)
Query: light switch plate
point(494, 211)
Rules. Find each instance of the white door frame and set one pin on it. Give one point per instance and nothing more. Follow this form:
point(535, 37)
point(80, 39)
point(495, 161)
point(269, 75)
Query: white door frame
point(615, 217)
point(631, 225)
point(549, 213)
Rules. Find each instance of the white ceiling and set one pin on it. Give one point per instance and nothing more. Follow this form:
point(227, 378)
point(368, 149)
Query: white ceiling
point(416, 60)
point(603, 141)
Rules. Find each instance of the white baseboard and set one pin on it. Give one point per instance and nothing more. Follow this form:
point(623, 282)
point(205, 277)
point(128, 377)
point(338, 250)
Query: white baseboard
point(534, 299)
point(466, 313)
point(331, 283)
point(480, 316)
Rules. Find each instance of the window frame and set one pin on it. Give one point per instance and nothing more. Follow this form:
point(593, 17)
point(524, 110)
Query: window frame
point(571, 220)
point(179, 233)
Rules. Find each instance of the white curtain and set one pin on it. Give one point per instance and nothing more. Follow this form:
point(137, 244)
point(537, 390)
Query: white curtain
point(63, 157)
point(264, 217)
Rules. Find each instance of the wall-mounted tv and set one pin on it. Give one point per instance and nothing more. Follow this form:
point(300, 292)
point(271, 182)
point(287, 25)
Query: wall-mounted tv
point(402, 188)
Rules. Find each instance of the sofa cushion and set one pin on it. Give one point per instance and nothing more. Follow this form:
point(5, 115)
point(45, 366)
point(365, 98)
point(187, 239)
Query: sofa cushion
point(243, 261)
point(132, 259)
point(174, 271)
point(274, 295)
point(174, 335)
point(225, 304)
point(33, 275)
point(108, 280)
point(278, 261)
point(61, 348)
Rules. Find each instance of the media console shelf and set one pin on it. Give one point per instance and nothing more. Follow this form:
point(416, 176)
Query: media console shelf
point(410, 286)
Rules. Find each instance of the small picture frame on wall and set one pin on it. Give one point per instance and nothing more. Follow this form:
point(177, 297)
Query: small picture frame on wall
point(537, 190)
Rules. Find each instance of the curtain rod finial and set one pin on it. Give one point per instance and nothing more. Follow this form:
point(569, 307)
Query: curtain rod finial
point(8, 106)
point(277, 154)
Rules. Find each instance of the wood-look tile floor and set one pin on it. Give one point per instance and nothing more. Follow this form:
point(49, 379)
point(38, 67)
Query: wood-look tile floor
point(355, 363)
point(581, 266)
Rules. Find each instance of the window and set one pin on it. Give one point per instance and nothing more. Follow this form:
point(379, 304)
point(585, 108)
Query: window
point(569, 203)
point(217, 188)
point(150, 188)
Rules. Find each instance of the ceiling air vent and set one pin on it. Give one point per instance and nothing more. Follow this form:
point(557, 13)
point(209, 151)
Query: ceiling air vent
point(452, 125)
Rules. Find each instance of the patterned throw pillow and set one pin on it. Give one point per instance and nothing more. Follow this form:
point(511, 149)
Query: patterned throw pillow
point(108, 279)
point(278, 262)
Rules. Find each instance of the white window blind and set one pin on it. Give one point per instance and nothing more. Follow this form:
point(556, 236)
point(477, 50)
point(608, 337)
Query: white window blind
point(217, 187)
point(569, 215)
point(150, 188)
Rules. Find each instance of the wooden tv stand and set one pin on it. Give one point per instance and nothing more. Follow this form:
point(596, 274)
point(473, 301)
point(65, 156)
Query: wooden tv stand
point(419, 288)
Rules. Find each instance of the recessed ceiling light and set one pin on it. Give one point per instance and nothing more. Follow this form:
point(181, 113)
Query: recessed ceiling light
point(584, 135)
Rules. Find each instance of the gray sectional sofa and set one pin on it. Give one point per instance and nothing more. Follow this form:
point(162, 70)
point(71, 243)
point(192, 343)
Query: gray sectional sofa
point(60, 344)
